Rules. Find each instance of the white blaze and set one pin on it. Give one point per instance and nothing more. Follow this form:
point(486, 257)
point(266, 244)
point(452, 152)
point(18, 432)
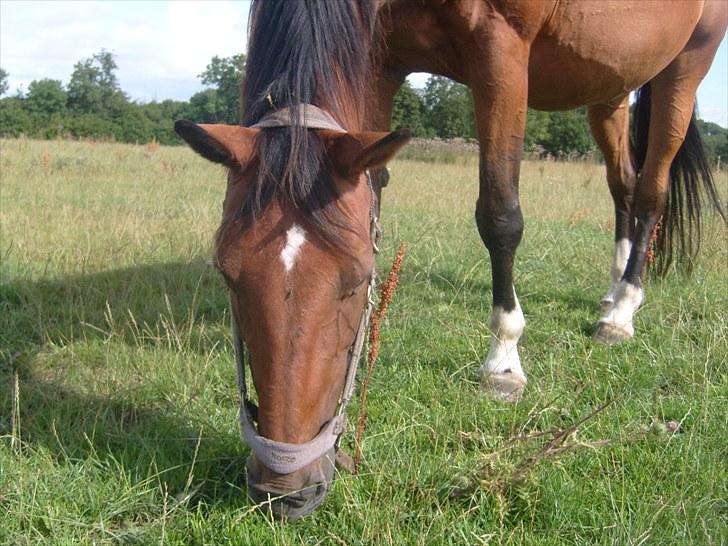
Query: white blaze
point(507, 327)
point(295, 237)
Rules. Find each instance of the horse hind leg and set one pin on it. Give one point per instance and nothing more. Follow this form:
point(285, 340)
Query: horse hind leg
point(610, 127)
point(671, 115)
point(667, 129)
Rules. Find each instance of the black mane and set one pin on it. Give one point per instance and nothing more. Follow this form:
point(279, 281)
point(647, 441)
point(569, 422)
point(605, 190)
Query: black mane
point(304, 51)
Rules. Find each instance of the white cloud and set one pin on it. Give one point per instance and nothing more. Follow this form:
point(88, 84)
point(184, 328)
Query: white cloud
point(160, 47)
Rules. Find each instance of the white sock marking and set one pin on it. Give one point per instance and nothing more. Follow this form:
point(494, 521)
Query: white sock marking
point(627, 298)
point(506, 327)
point(622, 248)
point(295, 237)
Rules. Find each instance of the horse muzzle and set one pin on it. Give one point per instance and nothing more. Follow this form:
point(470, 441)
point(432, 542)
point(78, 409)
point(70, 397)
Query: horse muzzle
point(294, 495)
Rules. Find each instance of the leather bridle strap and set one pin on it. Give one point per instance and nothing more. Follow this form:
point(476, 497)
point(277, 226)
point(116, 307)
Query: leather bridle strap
point(307, 116)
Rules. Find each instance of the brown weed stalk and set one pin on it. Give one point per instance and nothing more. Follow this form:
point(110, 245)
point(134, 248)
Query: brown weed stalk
point(387, 293)
point(497, 478)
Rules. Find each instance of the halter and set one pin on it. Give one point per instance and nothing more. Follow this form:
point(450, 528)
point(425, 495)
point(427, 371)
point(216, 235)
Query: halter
point(282, 457)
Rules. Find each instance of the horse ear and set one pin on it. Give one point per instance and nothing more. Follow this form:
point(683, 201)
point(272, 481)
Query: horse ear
point(230, 145)
point(354, 153)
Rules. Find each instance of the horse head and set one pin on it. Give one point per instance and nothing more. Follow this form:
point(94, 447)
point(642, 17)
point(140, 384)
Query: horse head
point(299, 269)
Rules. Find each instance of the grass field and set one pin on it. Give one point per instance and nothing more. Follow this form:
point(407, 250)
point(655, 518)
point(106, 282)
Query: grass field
point(117, 391)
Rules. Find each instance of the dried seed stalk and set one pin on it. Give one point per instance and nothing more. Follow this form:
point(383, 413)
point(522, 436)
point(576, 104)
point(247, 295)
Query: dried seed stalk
point(387, 293)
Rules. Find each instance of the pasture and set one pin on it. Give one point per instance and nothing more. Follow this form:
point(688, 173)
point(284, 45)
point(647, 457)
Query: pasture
point(118, 405)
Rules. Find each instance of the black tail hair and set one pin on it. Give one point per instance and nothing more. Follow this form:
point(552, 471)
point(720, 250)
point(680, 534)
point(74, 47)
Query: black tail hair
point(691, 185)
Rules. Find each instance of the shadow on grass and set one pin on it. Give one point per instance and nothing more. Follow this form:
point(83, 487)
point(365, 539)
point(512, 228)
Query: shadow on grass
point(151, 446)
point(566, 300)
point(148, 440)
point(452, 281)
point(136, 304)
point(565, 297)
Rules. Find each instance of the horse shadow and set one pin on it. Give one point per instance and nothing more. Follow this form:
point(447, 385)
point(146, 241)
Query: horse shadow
point(567, 300)
point(479, 288)
point(151, 447)
point(125, 303)
point(146, 439)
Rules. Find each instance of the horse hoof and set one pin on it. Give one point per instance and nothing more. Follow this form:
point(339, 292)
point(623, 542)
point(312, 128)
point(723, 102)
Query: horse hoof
point(610, 333)
point(505, 386)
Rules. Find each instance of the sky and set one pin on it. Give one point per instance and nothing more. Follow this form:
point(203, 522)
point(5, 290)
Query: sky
point(162, 46)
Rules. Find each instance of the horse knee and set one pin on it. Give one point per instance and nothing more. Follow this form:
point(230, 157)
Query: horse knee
point(500, 231)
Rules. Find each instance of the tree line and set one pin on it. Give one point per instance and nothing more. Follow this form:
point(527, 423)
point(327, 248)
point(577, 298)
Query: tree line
point(93, 105)
point(444, 109)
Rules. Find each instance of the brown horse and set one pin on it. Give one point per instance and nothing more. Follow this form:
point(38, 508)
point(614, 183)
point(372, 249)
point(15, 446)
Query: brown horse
point(296, 245)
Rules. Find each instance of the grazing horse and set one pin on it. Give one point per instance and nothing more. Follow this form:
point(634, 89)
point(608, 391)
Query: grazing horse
point(306, 168)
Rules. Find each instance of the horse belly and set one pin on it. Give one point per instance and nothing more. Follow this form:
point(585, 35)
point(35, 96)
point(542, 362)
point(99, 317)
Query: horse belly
point(597, 52)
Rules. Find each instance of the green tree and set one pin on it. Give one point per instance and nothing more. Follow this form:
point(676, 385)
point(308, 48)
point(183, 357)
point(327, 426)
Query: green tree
point(224, 75)
point(14, 118)
point(133, 125)
point(449, 109)
point(721, 150)
point(90, 125)
point(537, 129)
point(162, 116)
point(207, 107)
point(715, 138)
point(568, 134)
point(3, 82)
point(46, 97)
point(93, 87)
point(408, 110)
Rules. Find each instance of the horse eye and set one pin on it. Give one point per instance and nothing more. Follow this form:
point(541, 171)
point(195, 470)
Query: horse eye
point(351, 291)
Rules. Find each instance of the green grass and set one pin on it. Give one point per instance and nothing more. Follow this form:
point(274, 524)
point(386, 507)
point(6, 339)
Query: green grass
point(117, 390)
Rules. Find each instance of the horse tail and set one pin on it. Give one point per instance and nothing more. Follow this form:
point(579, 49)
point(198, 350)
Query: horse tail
point(691, 185)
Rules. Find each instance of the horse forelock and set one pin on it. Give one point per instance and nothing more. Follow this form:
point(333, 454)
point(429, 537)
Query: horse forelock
point(304, 52)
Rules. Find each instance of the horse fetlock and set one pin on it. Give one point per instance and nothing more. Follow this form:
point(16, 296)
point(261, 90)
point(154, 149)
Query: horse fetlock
point(501, 373)
point(607, 301)
point(605, 304)
point(616, 324)
point(622, 248)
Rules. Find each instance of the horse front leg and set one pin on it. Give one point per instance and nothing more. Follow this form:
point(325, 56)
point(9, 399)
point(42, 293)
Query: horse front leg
point(500, 99)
